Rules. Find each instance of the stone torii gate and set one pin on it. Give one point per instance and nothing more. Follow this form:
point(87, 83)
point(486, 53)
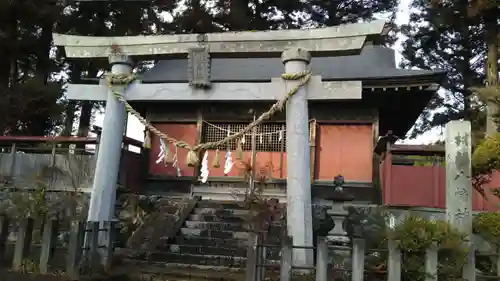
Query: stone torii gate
point(295, 48)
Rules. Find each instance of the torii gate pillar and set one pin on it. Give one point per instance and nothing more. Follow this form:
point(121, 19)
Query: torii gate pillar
point(298, 190)
point(103, 197)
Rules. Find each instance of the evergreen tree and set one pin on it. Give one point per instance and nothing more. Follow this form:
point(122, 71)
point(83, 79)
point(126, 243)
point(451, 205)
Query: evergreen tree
point(30, 95)
point(102, 19)
point(444, 37)
point(33, 101)
point(488, 11)
point(240, 15)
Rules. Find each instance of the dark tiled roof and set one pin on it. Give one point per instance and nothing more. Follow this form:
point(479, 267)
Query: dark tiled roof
point(374, 62)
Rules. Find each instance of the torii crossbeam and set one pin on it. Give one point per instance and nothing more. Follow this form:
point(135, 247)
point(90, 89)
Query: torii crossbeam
point(327, 41)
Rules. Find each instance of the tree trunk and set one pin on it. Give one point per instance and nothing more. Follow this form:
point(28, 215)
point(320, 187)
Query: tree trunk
point(69, 118)
point(43, 70)
point(43, 64)
point(9, 66)
point(86, 109)
point(238, 12)
point(69, 112)
point(466, 65)
point(491, 67)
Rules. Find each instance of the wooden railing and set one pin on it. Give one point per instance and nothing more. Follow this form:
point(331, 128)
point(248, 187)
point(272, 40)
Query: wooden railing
point(414, 176)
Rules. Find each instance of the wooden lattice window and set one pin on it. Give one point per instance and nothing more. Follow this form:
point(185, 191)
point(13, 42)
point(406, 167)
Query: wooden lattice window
point(269, 136)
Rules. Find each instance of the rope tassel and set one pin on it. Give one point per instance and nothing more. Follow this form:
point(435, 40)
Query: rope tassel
point(216, 163)
point(166, 154)
point(192, 159)
point(239, 151)
point(147, 140)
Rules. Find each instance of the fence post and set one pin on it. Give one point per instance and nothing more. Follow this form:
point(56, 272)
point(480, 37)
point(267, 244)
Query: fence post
point(12, 161)
point(23, 243)
point(322, 260)
point(431, 263)
point(358, 259)
point(387, 174)
point(93, 244)
point(53, 154)
point(110, 227)
point(286, 259)
point(4, 233)
point(251, 265)
point(77, 232)
point(498, 263)
point(48, 243)
point(261, 257)
point(394, 261)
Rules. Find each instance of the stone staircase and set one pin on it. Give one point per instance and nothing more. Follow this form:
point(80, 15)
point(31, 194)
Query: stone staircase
point(211, 243)
point(213, 235)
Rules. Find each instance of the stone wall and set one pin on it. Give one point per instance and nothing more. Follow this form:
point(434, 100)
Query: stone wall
point(70, 172)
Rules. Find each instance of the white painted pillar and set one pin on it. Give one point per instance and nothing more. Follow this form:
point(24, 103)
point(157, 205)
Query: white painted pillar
point(102, 201)
point(459, 185)
point(298, 194)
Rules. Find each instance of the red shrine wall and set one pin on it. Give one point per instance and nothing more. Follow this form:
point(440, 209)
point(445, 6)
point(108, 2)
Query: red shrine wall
point(185, 132)
point(340, 149)
point(346, 150)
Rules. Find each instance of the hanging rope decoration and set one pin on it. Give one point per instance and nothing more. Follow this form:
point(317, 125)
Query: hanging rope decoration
point(216, 162)
point(192, 157)
point(147, 139)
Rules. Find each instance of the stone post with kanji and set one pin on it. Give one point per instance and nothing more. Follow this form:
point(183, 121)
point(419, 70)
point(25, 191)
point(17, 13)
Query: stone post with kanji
point(459, 186)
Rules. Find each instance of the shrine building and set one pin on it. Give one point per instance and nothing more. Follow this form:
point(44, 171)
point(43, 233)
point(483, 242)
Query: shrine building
point(343, 132)
point(204, 88)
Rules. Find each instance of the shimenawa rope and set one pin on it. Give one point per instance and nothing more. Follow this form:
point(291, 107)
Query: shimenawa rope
point(192, 157)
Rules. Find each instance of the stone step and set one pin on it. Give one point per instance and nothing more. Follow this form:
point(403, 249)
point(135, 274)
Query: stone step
point(209, 214)
point(180, 271)
point(217, 218)
point(218, 242)
point(221, 212)
point(193, 259)
point(225, 226)
point(214, 242)
point(273, 234)
point(272, 253)
point(221, 234)
point(220, 204)
point(208, 250)
point(195, 272)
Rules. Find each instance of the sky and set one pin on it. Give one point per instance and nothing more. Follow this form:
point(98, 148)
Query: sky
point(135, 128)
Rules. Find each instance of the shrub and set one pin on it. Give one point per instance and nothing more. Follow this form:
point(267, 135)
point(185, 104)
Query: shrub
point(414, 235)
point(487, 225)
